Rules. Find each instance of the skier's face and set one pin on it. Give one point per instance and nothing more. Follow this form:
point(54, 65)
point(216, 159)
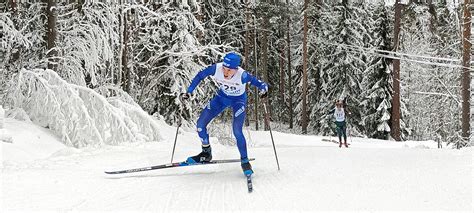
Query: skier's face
point(228, 73)
point(338, 105)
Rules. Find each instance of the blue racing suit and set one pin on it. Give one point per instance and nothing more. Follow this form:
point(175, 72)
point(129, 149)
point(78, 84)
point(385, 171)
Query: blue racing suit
point(231, 94)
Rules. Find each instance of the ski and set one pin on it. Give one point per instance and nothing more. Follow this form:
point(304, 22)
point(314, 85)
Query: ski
point(172, 165)
point(249, 183)
point(327, 140)
point(334, 141)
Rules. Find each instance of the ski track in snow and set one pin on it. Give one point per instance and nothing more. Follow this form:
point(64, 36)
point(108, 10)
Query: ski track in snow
point(314, 176)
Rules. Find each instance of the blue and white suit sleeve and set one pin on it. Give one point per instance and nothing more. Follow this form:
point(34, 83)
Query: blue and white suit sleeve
point(211, 70)
point(246, 78)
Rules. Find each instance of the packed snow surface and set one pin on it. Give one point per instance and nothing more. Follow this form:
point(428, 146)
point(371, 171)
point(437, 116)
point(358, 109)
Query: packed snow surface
point(39, 173)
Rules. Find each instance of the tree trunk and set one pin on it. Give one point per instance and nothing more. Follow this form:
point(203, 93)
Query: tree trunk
point(123, 78)
point(14, 12)
point(51, 34)
point(433, 17)
point(264, 66)
point(117, 78)
point(200, 18)
point(466, 79)
point(256, 74)
point(396, 132)
point(288, 54)
point(247, 54)
point(282, 79)
point(79, 5)
point(304, 113)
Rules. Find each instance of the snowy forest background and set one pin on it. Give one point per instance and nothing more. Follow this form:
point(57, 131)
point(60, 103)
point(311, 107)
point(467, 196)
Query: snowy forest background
point(108, 59)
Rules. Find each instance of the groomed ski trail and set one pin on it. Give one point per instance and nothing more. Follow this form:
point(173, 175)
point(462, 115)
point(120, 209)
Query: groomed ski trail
point(314, 176)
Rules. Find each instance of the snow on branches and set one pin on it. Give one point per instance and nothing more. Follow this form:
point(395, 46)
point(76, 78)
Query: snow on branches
point(81, 116)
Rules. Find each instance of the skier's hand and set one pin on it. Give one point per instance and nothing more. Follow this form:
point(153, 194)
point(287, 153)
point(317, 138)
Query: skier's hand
point(184, 97)
point(264, 92)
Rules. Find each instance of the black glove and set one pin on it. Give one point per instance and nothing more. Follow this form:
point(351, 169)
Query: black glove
point(263, 94)
point(184, 97)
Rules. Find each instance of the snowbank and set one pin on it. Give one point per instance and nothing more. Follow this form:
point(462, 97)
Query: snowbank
point(30, 142)
point(4, 135)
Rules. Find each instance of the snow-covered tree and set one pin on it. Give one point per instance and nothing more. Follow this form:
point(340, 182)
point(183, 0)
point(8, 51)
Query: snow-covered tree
point(277, 59)
point(224, 24)
point(146, 53)
point(376, 96)
point(88, 43)
point(295, 76)
point(167, 56)
point(343, 65)
point(317, 35)
point(81, 116)
point(22, 42)
point(445, 99)
point(431, 90)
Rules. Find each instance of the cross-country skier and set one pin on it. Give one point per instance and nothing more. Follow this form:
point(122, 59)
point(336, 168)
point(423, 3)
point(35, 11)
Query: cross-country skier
point(231, 79)
point(340, 112)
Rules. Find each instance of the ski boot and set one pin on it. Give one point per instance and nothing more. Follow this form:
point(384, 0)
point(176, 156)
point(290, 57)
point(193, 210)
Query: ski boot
point(204, 156)
point(246, 167)
point(340, 144)
point(345, 144)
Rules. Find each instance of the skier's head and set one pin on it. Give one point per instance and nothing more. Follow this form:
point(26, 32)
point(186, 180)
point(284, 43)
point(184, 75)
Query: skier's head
point(339, 103)
point(231, 60)
point(231, 63)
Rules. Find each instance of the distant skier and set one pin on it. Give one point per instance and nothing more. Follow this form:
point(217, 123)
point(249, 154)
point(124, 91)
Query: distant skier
point(231, 79)
point(340, 112)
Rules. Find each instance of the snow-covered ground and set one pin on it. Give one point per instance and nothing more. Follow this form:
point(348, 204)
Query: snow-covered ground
point(38, 172)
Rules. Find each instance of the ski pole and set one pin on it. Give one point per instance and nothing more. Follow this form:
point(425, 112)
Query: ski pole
point(330, 135)
point(177, 129)
point(350, 134)
point(349, 130)
point(175, 139)
point(271, 135)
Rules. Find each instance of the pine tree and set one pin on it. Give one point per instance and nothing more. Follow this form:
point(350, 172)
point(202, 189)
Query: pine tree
point(289, 51)
point(376, 96)
point(317, 36)
point(296, 76)
point(342, 67)
point(275, 13)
